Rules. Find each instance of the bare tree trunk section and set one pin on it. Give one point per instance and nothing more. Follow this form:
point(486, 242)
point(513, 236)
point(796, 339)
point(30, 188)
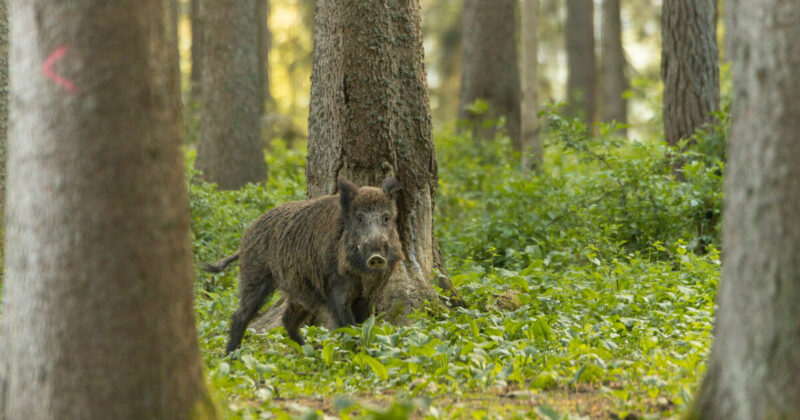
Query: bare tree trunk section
point(612, 65)
point(4, 44)
point(196, 49)
point(532, 151)
point(175, 60)
point(581, 62)
point(230, 146)
point(264, 43)
point(754, 362)
point(489, 67)
point(370, 118)
point(689, 66)
point(98, 320)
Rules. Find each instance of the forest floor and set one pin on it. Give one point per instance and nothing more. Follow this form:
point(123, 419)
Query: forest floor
point(590, 291)
point(586, 402)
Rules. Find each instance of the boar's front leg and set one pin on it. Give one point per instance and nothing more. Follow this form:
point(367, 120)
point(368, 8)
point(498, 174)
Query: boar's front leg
point(340, 302)
point(361, 309)
point(293, 317)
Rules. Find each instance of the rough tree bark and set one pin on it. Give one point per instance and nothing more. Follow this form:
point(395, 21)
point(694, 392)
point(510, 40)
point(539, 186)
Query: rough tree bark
point(4, 43)
point(612, 65)
point(264, 42)
point(581, 62)
point(197, 49)
point(689, 66)
point(175, 59)
point(489, 68)
point(754, 363)
point(369, 118)
point(532, 152)
point(98, 320)
point(230, 147)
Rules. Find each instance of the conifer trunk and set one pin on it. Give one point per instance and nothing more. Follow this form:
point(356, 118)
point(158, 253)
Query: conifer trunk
point(689, 66)
point(97, 320)
point(612, 64)
point(489, 66)
point(532, 151)
point(754, 366)
point(581, 61)
point(230, 146)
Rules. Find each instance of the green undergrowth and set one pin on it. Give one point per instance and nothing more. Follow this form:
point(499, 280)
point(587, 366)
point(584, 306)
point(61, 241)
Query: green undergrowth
point(594, 279)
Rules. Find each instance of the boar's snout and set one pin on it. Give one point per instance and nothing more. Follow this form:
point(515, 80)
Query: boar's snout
point(376, 261)
point(375, 251)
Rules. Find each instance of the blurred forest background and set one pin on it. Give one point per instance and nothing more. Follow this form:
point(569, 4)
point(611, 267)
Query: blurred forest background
point(291, 32)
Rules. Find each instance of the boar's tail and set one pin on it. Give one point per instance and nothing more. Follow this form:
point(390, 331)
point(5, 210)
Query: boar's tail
point(220, 265)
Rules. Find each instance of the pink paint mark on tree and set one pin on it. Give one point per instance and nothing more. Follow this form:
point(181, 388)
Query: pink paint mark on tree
point(47, 69)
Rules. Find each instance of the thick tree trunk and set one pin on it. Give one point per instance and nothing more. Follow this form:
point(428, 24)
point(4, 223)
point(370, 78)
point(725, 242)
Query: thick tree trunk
point(689, 66)
point(532, 151)
point(98, 320)
point(754, 362)
point(197, 49)
point(581, 62)
point(230, 147)
point(489, 68)
point(370, 118)
point(612, 65)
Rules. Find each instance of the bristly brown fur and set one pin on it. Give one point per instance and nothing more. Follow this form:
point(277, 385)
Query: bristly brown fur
point(316, 252)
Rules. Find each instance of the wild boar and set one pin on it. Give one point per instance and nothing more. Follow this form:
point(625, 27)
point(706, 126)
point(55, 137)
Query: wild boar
point(333, 253)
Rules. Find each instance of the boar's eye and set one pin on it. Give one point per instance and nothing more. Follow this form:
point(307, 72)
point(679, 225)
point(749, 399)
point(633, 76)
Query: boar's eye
point(385, 217)
point(360, 217)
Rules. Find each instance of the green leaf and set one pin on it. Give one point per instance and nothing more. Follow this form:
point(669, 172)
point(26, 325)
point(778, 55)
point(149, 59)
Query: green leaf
point(375, 365)
point(368, 331)
point(327, 353)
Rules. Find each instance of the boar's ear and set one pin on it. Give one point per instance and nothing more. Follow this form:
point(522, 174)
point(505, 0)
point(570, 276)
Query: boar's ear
point(390, 187)
point(347, 192)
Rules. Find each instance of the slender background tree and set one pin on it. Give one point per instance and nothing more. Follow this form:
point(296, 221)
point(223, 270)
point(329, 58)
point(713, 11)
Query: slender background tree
point(4, 43)
point(754, 362)
point(197, 49)
point(532, 151)
point(97, 320)
point(489, 64)
point(581, 61)
point(689, 66)
point(230, 145)
point(612, 65)
point(264, 42)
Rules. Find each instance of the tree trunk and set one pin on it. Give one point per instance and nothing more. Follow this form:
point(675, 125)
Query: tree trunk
point(98, 320)
point(264, 42)
point(370, 117)
point(532, 152)
point(612, 64)
point(754, 363)
point(3, 116)
point(175, 59)
point(197, 49)
point(489, 68)
point(581, 63)
point(230, 147)
point(689, 66)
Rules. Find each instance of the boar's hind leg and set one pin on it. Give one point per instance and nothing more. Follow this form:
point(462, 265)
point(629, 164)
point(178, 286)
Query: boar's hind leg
point(293, 318)
point(252, 295)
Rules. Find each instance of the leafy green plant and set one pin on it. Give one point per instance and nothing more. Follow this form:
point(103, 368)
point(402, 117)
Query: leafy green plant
point(599, 274)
